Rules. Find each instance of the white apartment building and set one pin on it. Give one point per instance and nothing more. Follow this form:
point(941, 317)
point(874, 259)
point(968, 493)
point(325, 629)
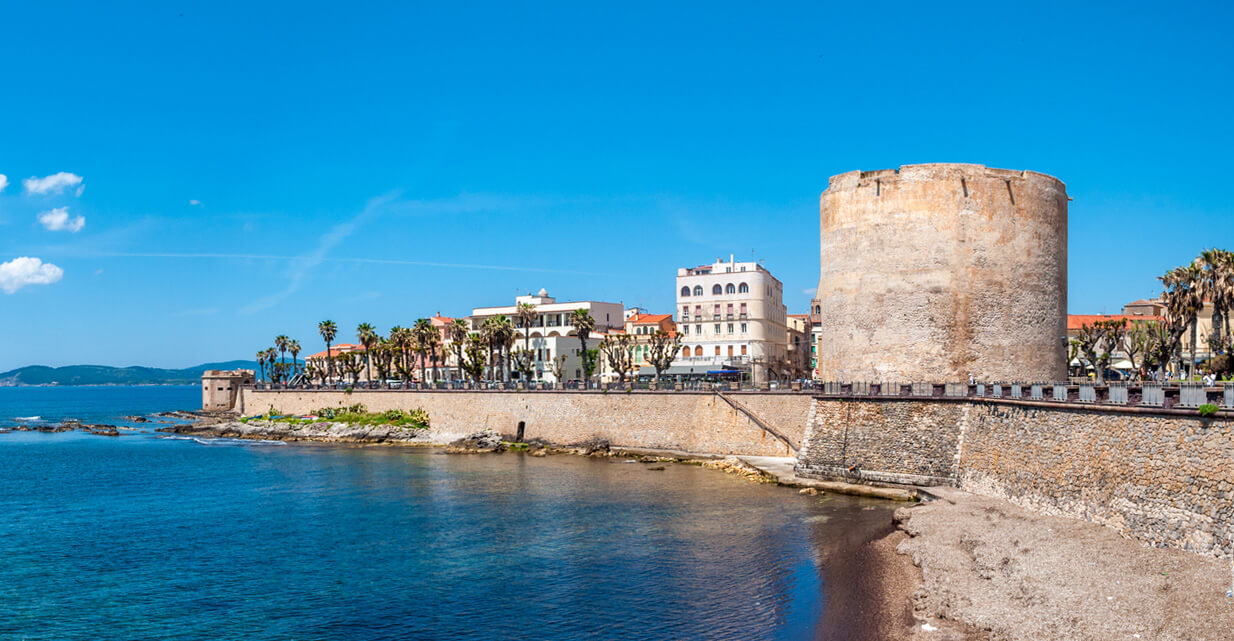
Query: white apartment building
point(551, 335)
point(731, 315)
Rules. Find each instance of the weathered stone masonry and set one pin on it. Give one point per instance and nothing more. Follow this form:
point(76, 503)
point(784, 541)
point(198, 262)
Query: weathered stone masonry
point(692, 422)
point(1167, 480)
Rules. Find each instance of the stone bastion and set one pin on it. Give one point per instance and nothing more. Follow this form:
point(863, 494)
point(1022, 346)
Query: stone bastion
point(935, 272)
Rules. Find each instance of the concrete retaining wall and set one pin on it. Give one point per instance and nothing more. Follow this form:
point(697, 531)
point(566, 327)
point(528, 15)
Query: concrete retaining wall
point(692, 422)
point(1167, 480)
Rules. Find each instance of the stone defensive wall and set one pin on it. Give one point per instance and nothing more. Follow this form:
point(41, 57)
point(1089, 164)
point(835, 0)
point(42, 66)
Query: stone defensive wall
point(755, 423)
point(1161, 475)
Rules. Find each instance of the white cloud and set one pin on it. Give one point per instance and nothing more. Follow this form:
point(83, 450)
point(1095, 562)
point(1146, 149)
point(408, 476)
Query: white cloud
point(53, 184)
point(19, 272)
point(58, 219)
point(4, 182)
point(195, 202)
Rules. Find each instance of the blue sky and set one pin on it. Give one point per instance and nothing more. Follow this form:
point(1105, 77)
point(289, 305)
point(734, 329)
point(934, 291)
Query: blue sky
point(252, 168)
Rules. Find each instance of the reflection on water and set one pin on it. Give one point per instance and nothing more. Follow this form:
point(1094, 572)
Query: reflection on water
point(141, 537)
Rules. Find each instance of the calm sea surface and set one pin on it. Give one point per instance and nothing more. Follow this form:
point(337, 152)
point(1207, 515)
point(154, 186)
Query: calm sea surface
point(142, 537)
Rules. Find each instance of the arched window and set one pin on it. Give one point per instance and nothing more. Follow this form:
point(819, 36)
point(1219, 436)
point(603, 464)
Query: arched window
point(698, 350)
point(729, 289)
point(716, 290)
point(698, 290)
point(685, 291)
point(743, 289)
point(685, 352)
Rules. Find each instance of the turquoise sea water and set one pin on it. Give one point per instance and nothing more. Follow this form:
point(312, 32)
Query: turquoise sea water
point(144, 537)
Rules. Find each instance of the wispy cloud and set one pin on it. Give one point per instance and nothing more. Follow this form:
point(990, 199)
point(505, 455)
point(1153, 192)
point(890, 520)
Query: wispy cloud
point(19, 272)
point(196, 203)
point(4, 182)
point(53, 184)
point(365, 261)
point(306, 263)
point(58, 219)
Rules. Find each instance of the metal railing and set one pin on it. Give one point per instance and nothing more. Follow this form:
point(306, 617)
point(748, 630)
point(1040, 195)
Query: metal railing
point(1152, 395)
point(1119, 394)
point(1192, 395)
point(1088, 393)
point(1124, 394)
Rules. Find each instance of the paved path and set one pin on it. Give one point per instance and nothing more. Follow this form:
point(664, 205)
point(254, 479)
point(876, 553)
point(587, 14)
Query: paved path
point(781, 469)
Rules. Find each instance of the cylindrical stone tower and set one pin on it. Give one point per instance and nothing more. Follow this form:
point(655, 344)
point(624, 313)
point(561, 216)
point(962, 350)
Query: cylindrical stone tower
point(935, 272)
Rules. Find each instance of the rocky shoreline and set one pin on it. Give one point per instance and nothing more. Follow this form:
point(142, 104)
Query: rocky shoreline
point(68, 426)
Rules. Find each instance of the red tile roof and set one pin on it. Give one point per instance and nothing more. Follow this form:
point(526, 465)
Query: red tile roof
point(335, 350)
point(640, 319)
point(1076, 321)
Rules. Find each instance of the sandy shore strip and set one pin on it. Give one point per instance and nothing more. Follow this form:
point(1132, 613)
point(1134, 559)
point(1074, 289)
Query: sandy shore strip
point(986, 569)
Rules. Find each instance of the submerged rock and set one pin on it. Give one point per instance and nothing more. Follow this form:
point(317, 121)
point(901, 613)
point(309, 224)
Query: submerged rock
point(101, 430)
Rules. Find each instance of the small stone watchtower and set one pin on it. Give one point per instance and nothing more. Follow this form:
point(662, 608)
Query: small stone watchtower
point(220, 387)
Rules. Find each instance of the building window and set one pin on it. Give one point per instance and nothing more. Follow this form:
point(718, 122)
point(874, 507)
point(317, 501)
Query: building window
point(730, 328)
point(729, 289)
point(698, 290)
point(685, 311)
point(698, 350)
point(698, 329)
point(717, 310)
point(743, 328)
point(730, 351)
point(717, 328)
point(685, 290)
point(685, 329)
point(743, 309)
point(717, 350)
point(548, 354)
point(685, 352)
point(716, 289)
point(743, 350)
point(743, 288)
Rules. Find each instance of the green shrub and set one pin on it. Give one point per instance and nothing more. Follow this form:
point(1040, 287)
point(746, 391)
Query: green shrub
point(1207, 410)
point(359, 415)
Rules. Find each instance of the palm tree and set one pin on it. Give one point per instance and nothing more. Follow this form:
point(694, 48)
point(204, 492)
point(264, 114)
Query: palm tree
point(458, 338)
point(503, 337)
point(433, 342)
point(280, 342)
point(1183, 301)
point(293, 346)
point(261, 363)
point(1216, 283)
point(526, 314)
point(488, 336)
point(328, 331)
point(271, 356)
point(398, 347)
point(423, 332)
point(583, 325)
point(367, 335)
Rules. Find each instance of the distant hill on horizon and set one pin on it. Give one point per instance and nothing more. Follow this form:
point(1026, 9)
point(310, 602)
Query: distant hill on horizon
point(107, 375)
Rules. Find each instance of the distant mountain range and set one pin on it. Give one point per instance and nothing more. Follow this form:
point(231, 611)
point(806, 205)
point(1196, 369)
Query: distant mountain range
point(104, 375)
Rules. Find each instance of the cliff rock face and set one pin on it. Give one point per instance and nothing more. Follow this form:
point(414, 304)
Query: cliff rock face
point(935, 272)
